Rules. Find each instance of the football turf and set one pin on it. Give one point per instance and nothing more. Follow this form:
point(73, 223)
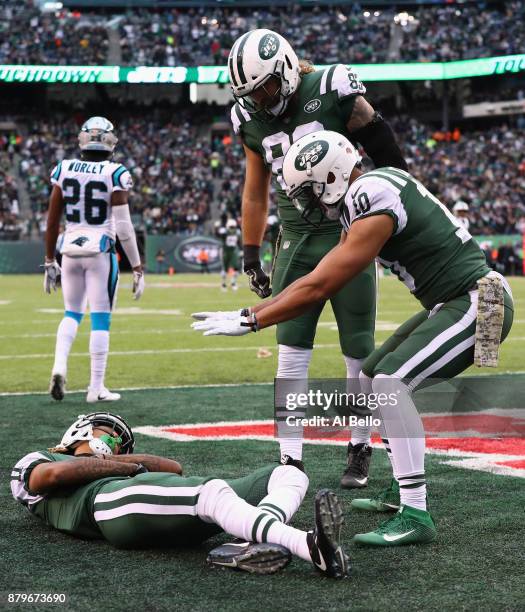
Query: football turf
point(477, 561)
point(152, 344)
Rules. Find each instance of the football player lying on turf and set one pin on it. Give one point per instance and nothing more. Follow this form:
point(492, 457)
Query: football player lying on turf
point(92, 486)
point(468, 309)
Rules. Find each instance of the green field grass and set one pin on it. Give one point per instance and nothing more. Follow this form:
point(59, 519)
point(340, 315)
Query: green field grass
point(154, 346)
point(476, 563)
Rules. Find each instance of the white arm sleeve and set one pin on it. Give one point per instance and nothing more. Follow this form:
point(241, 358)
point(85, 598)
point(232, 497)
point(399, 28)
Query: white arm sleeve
point(126, 234)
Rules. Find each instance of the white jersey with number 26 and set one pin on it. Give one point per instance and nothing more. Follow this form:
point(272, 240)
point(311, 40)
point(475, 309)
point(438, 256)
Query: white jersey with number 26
point(86, 191)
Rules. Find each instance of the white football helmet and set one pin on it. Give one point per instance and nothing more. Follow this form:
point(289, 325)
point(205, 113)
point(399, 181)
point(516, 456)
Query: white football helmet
point(254, 58)
point(316, 172)
point(96, 134)
point(82, 431)
point(231, 225)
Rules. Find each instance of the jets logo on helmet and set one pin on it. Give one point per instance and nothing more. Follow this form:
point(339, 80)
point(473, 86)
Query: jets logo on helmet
point(311, 155)
point(316, 172)
point(268, 46)
point(254, 59)
point(96, 134)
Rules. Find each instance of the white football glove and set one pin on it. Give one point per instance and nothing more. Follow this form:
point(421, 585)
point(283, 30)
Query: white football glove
point(226, 315)
point(226, 327)
point(138, 284)
point(52, 273)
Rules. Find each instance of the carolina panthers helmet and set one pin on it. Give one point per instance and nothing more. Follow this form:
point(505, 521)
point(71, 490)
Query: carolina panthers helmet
point(254, 58)
point(96, 134)
point(82, 431)
point(316, 172)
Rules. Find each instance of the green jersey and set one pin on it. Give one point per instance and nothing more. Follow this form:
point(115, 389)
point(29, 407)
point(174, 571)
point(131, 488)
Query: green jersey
point(71, 510)
point(324, 101)
point(429, 250)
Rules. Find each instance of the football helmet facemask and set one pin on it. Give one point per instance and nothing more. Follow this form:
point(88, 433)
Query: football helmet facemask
point(82, 431)
point(97, 134)
point(255, 58)
point(316, 172)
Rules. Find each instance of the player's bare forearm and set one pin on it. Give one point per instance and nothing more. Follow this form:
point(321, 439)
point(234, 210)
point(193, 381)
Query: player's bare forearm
point(53, 222)
point(77, 471)
point(332, 273)
point(151, 462)
point(339, 266)
point(255, 196)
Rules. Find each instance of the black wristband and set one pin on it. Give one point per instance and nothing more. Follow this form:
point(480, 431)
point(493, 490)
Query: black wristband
point(252, 257)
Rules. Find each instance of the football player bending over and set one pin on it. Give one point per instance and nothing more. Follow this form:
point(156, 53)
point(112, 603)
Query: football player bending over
point(143, 501)
point(93, 193)
point(467, 308)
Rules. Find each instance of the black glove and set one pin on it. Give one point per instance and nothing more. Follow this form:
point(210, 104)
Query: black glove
point(259, 281)
point(141, 469)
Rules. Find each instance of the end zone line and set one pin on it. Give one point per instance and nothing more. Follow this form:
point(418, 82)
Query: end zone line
point(161, 388)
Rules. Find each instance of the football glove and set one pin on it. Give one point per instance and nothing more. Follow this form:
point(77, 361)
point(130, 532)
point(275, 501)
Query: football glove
point(230, 315)
point(227, 327)
point(258, 280)
point(138, 284)
point(51, 276)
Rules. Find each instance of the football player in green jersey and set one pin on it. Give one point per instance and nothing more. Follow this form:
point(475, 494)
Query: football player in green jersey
point(230, 237)
point(278, 100)
point(92, 486)
point(467, 308)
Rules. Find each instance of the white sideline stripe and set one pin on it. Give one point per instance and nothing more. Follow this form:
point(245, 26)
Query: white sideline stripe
point(221, 385)
point(160, 388)
point(147, 490)
point(440, 339)
point(227, 349)
point(107, 515)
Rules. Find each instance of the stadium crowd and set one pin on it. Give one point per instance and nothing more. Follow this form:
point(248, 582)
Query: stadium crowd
point(28, 36)
point(178, 171)
point(204, 36)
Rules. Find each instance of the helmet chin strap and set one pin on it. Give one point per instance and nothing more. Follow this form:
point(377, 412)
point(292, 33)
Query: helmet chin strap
point(105, 445)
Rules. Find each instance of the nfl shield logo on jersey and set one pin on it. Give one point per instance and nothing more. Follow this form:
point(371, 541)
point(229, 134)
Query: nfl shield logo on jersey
point(312, 105)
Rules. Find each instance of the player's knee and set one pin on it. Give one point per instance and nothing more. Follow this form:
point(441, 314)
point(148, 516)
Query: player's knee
point(100, 321)
point(365, 382)
point(390, 385)
point(288, 476)
point(293, 361)
point(210, 497)
point(77, 316)
point(358, 345)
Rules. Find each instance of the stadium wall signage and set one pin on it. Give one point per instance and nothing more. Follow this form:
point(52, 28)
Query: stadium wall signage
point(422, 71)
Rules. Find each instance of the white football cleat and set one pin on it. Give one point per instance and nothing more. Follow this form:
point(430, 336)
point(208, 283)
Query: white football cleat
point(101, 395)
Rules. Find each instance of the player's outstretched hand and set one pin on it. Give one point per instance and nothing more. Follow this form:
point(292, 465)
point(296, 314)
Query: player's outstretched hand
point(138, 284)
point(230, 315)
point(226, 327)
point(52, 273)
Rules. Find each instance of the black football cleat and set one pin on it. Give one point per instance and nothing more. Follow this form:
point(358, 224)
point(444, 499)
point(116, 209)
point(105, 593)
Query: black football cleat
point(287, 460)
point(251, 557)
point(57, 387)
point(324, 542)
point(355, 475)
